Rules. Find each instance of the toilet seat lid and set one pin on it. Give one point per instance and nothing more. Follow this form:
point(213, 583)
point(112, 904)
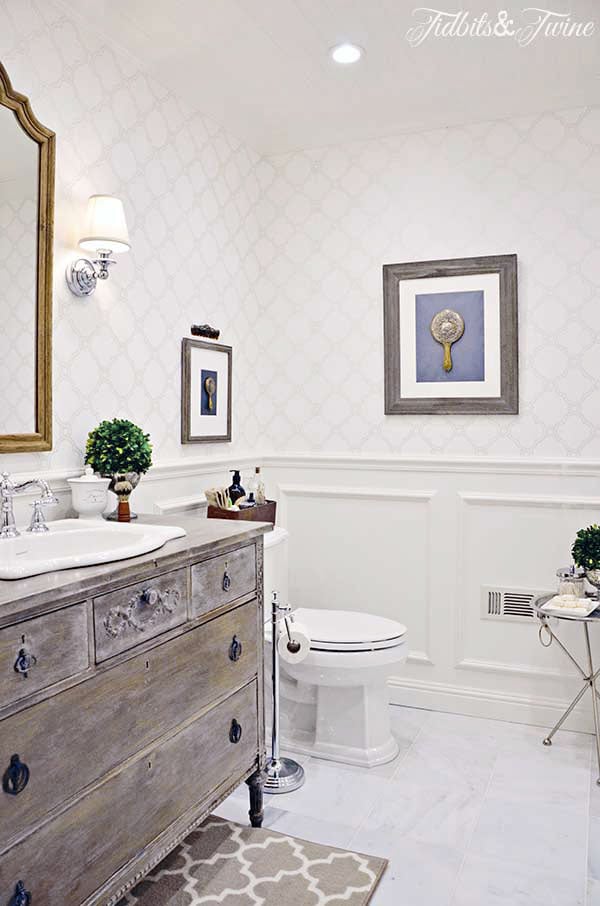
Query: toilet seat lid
point(348, 630)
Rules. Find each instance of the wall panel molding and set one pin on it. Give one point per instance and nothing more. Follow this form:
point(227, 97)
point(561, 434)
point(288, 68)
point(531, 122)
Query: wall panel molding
point(385, 495)
point(472, 465)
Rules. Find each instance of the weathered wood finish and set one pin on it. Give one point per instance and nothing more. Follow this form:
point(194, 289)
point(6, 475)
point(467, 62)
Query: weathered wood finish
point(69, 858)
point(58, 642)
point(133, 704)
point(208, 586)
point(124, 618)
point(127, 754)
point(41, 439)
point(508, 401)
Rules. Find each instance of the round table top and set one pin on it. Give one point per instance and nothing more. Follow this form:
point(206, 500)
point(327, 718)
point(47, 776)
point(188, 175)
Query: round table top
point(538, 603)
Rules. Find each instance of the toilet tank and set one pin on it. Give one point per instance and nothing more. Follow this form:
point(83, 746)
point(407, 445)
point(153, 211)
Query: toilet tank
point(276, 566)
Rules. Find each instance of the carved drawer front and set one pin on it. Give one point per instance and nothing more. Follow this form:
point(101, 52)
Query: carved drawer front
point(132, 615)
point(39, 652)
point(70, 740)
point(223, 579)
point(70, 857)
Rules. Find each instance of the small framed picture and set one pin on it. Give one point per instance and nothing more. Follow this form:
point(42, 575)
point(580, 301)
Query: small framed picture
point(205, 392)
point(451, 336)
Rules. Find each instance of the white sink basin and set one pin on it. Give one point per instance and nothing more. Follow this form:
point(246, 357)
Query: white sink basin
point(79, 542)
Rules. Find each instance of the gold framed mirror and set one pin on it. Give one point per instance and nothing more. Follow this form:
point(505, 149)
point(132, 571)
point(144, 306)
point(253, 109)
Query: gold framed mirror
point(27, 161)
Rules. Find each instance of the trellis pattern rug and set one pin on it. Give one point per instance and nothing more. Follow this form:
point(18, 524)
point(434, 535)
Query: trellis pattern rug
point(230, 865)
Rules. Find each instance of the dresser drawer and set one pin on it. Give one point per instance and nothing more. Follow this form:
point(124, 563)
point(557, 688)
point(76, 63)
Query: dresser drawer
point(72, 739)
point(223, 579)
point(68, 858)
point(132, 615)
point(39, 652)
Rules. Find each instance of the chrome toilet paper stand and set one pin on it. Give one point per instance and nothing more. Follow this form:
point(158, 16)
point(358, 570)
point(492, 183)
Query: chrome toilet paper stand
point(283, 774)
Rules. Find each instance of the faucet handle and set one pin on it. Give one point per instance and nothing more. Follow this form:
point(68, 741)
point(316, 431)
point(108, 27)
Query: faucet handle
point(38, 521)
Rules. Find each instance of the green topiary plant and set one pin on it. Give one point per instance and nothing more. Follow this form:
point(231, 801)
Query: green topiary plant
point(118, 447)
point(586, 548)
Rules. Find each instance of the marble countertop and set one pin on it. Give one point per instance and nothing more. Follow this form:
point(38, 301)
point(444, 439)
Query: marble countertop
point(27, 596)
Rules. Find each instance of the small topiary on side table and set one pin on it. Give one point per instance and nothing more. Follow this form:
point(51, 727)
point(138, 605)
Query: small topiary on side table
point(119, 450)
point(586, 553)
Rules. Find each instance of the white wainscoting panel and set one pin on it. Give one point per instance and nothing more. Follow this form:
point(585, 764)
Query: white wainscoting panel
point(417, 541)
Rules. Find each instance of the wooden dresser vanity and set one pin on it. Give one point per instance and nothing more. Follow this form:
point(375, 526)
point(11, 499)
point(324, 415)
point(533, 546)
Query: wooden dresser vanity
point(131, 704)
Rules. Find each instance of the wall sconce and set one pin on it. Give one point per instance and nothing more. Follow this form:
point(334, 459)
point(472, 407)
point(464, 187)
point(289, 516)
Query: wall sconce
point(105, 232)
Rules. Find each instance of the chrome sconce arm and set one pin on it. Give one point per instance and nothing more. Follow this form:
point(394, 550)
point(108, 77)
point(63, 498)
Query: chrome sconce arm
point(83, 274)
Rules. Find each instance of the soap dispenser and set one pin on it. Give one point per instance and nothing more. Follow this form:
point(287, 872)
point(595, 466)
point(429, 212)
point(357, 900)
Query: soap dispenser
point(235, 488)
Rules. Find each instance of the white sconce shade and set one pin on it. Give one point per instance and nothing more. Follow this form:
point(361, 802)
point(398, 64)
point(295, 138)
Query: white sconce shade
point(105, 225)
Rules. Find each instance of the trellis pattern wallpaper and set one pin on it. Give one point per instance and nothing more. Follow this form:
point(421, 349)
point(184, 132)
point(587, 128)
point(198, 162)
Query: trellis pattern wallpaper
point(190, 194)
point(330, 219)
point(284, 254)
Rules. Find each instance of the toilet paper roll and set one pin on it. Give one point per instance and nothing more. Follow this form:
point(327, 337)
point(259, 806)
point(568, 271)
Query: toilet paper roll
point(299, 634)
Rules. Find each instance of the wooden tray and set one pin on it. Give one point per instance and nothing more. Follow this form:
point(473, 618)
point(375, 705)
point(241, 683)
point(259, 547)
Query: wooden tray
point(264, 512)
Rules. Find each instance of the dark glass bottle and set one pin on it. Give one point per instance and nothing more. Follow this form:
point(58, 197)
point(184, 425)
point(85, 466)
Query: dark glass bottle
point(235, 488)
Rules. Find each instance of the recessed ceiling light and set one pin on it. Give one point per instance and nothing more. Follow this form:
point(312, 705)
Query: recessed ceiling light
point(346, 53)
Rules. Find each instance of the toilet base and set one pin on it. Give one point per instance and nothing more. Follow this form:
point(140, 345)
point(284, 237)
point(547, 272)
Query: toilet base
point(302, 744)
point(351, 726)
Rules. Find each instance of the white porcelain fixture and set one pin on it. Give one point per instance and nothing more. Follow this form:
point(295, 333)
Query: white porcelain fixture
point(71, 543)
point(335, 704)
point(105, 233)
point(89, 494)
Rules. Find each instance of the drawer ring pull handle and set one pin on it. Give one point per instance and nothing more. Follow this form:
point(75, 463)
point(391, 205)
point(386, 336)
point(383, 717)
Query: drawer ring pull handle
point(226, 581)
point(24, 662)
point(235, 733)
point(16, 777)
point(21, 897)
point(235, 649)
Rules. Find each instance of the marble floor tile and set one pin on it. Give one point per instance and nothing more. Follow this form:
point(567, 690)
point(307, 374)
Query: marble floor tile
point(418, 874)
point(492, 882)
point(435, 761)
point(594, 791)
point(594, 850)
point(315, 830)
point(437, 815)
point(561, 778)
point(473, 812)
point(236, 809)
point(529, 834)
point(342, 794)
point(593, 893)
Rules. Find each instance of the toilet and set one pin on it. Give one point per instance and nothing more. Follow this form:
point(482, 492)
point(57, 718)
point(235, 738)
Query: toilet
point(335, 703)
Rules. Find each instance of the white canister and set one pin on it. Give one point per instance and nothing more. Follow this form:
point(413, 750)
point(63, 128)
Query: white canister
point(89, 494)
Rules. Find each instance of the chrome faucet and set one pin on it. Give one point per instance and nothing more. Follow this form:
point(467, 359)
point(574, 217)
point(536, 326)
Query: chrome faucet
point(8, 489)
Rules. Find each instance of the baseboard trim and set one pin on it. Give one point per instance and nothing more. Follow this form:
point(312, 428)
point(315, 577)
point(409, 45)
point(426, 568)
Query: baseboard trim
point(522, 709)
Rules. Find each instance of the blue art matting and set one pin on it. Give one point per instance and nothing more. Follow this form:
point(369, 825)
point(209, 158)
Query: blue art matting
point(468, 353)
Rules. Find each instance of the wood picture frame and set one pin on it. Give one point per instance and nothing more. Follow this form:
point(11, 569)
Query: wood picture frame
point(493, 390)
point(41, 438)
point(205, 413)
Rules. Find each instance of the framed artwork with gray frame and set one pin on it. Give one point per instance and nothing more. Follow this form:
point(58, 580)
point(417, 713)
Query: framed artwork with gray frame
point(451, 336)
point(205, 392)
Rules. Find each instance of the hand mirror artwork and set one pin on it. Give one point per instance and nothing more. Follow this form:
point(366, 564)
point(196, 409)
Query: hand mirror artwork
point(26, 215)
point(210, 385)
point(447, 327)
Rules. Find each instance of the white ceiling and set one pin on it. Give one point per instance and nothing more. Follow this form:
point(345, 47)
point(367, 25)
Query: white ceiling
point(261, 67)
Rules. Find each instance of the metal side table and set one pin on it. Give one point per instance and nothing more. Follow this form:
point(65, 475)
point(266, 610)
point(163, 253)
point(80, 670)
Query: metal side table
point(589, 674)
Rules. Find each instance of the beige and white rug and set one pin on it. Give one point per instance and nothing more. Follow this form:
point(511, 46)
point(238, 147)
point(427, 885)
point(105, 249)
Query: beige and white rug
point(230, 865)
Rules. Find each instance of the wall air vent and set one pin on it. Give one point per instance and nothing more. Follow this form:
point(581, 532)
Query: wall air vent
point(507, 603)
